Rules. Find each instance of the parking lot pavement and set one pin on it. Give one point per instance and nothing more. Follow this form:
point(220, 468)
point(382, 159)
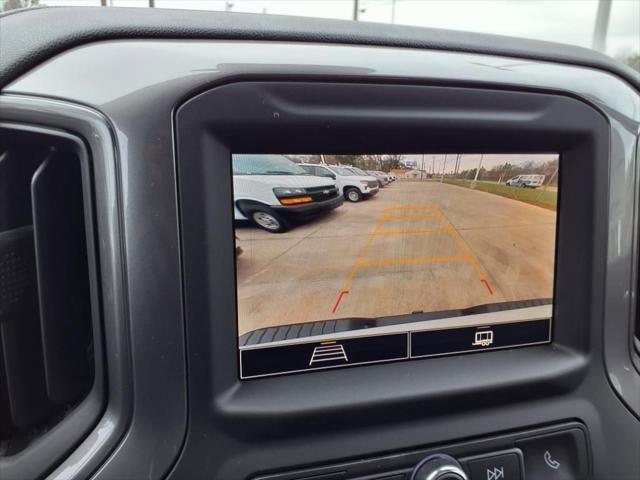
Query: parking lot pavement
point(417, 246)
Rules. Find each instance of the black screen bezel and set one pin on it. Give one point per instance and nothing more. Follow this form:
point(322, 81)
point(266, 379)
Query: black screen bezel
point(350, 117)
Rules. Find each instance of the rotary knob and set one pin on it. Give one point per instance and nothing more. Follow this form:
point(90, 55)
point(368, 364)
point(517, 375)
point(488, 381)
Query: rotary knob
point(439, 467)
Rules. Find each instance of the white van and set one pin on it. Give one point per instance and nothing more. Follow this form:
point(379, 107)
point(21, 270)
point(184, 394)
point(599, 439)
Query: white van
point(527, 181)
point(351, 184)
point(270, 190)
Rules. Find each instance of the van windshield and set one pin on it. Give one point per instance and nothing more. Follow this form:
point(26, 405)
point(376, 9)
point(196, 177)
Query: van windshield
point(265, 165)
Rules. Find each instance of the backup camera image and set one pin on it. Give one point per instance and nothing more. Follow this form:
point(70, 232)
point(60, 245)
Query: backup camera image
point(346, 260)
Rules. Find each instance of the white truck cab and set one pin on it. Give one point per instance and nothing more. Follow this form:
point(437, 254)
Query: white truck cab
point(271, 190)
point(353, 185)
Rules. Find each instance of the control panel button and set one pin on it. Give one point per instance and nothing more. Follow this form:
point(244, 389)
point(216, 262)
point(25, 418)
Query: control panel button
point(555, 456)
point(439, 467)
point(496, 467)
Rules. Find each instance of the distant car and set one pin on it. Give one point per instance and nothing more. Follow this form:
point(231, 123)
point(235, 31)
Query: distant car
point(526, 181)
point(386, 175)
point(383, 180)
point(352, 185)
point(271, 190)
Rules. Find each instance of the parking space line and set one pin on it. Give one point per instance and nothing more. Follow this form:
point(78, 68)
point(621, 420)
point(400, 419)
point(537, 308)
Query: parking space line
point(414, 261)
point(411, 216)
point(405, 208)
point(465, 247)
point(414, 232)
point(430, 212)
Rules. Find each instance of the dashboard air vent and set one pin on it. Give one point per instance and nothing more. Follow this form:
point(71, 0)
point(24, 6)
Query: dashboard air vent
point(46, 338)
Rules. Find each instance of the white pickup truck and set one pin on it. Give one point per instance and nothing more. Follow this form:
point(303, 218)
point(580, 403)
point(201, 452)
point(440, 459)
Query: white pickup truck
point(352, 185)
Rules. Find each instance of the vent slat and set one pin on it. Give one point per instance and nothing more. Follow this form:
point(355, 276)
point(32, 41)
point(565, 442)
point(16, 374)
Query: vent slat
point(61, 257)
point(19, 330)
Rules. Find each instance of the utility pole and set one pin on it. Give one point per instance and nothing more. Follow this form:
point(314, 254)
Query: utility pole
point(152, 3)
point(551, 179)
point(475, 180)
point(444, 165)
point(393, 12)
point(422, 168)
point(602, 25)
point(504, 171)
point(433, 165)
point(355, 10)
point(103, 3)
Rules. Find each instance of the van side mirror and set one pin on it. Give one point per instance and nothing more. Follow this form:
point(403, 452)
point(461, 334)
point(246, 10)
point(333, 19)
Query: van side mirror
point(332, 176)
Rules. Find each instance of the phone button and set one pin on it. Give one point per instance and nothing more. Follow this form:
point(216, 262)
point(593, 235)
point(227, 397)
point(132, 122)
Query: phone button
point(555, 456)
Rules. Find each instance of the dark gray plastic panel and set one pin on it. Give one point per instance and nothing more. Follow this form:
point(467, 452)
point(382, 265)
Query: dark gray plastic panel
point(139, 102)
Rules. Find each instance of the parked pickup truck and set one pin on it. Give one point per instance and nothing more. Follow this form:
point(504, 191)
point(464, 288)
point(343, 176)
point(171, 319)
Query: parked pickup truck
point(352, 185)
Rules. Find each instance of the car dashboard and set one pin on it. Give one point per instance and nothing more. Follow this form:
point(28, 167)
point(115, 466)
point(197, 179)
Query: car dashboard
point(153, 108)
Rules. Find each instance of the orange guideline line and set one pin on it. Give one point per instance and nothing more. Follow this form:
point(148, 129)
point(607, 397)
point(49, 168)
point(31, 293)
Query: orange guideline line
point(486, 284)
point(342, 294)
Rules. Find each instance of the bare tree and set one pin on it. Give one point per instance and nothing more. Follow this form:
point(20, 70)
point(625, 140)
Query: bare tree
point(15, 4)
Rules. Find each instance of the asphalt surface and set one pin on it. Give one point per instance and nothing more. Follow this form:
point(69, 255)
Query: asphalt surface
point(416, 246)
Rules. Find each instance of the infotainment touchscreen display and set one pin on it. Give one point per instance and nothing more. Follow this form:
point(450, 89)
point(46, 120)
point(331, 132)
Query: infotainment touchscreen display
point(347, 260)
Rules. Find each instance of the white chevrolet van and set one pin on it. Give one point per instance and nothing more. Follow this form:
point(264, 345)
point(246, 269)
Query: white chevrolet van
point(271, 190)
point(527, 181)
point(352, 185)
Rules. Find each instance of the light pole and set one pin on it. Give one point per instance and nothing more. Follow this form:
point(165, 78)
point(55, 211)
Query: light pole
point(475, 180)
point(355, 10)
point(444, 165)
point(602, 25)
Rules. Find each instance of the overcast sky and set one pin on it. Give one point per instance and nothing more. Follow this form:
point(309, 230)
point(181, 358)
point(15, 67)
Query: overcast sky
point(567, 21)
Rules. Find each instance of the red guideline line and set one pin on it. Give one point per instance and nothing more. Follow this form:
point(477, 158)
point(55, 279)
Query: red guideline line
point(486, 284)
point(342, 294)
